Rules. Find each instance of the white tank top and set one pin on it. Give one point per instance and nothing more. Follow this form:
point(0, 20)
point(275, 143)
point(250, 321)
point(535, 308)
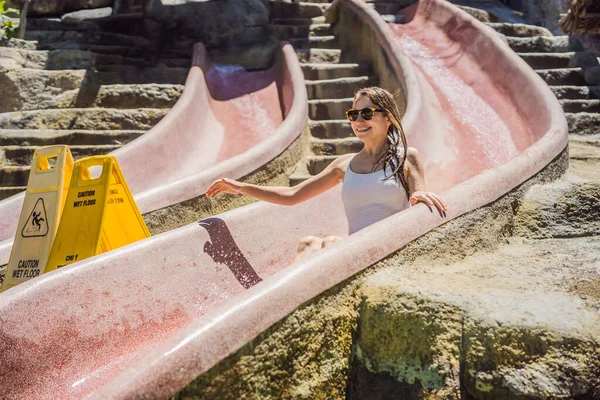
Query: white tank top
point(369, 198)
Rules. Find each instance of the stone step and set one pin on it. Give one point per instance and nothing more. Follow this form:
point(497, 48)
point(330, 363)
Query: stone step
point(128, 96)
point(576, 92)
point(23, 155)
point(584, 147)
point(583, 123)
point(319, 71)
point(19, 44)
point(7, 191)
point(80, 59)
point(80, 89)
point(331, 129)
point(479, 14)
point(315, 42)
point(285, 32)
point(126, 51)
point(577, 106)
point(136, 75)
point(316, 164)
point(328, 109)
point(329, 147)
point(330, 56)
point(519, 30)
point(50, 40)
point(135, 25)
point(559, 60)
point(17, 137)
point(56, 24)
point(544, 44)
point(336, 88)
point(299, 21)
point(296, 10)
point(14, 176)
point(86, 119)
point(563, 76)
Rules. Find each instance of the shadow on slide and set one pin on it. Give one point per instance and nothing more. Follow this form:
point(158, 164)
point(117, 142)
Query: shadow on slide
point(228, 121)
point(147, 319)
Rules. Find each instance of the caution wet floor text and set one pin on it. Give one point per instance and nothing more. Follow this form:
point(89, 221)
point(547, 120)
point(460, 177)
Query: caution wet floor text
point(100, 213)
point(47, 187)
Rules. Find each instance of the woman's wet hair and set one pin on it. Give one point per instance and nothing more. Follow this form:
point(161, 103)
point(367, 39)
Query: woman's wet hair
point(383, 99)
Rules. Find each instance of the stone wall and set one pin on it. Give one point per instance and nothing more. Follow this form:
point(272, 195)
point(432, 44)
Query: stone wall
point(57, 7)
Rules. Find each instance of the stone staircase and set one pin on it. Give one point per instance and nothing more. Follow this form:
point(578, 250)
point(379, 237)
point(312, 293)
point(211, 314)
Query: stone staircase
point(92, 84)
point(332, 78)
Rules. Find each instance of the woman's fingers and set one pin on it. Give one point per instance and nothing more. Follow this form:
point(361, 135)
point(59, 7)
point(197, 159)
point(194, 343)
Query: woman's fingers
point(430, 199)
point(221, 186)
point(440, 200)
point(437, 202)
point(214, 189)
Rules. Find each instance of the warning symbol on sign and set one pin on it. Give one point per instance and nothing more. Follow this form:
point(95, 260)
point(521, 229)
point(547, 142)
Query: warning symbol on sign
point(37, 223)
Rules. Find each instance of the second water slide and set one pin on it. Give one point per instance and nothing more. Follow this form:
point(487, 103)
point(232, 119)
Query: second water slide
point(145, 320)
point(228, 121)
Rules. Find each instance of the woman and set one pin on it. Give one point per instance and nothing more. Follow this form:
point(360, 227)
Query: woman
point(385, 177)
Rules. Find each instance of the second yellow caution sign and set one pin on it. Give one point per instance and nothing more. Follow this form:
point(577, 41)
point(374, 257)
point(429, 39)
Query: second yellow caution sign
point(100, 214)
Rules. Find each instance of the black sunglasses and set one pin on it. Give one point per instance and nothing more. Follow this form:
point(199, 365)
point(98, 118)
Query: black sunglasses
point(367, 113)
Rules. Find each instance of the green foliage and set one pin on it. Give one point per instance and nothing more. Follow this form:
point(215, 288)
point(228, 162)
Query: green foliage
point(7, 26)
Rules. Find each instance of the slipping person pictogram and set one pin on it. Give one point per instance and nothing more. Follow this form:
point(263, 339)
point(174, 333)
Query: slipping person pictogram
point(37, 224)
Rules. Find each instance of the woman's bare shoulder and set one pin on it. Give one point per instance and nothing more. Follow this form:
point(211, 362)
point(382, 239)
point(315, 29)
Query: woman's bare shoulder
point(342, 162)
point(412, 154)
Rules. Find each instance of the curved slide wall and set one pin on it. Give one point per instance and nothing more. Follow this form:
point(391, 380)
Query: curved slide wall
point(146, 319)
point(227, 122)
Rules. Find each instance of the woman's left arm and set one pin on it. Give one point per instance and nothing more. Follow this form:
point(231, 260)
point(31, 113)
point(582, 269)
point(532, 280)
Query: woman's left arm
point(415, 175)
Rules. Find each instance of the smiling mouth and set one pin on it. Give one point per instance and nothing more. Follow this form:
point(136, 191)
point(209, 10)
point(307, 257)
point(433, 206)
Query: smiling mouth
point(362, 129)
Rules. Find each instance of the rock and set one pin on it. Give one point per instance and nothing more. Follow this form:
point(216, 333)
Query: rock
point(57, 7)
point(567, 208)
point(31, 88)
point(82, 15)
point(18, 44)
point(545, 13)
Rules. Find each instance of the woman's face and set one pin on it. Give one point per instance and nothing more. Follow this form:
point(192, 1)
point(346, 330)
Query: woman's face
point(374, 129)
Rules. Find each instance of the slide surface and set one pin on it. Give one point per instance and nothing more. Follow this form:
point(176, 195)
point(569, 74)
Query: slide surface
point(144, 320)
point(227, 121)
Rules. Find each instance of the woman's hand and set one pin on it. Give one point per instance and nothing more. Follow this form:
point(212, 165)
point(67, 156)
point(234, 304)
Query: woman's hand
point(224, 185)
point(431, 199)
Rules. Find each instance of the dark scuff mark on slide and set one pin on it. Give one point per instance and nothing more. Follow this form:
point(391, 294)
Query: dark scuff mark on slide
point(223, 249)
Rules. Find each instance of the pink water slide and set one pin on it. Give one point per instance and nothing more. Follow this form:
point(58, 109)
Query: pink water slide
point(145, 320)
point(228, 121)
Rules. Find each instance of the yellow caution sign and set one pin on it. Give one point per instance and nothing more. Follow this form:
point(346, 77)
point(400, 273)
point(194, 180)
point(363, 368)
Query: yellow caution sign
point(47, 188)
point(99, 215)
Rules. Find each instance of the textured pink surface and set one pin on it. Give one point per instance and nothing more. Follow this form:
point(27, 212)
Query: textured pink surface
point(144, 320)
point(227, 121)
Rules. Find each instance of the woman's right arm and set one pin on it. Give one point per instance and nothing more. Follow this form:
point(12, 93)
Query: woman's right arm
point(332, 175)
